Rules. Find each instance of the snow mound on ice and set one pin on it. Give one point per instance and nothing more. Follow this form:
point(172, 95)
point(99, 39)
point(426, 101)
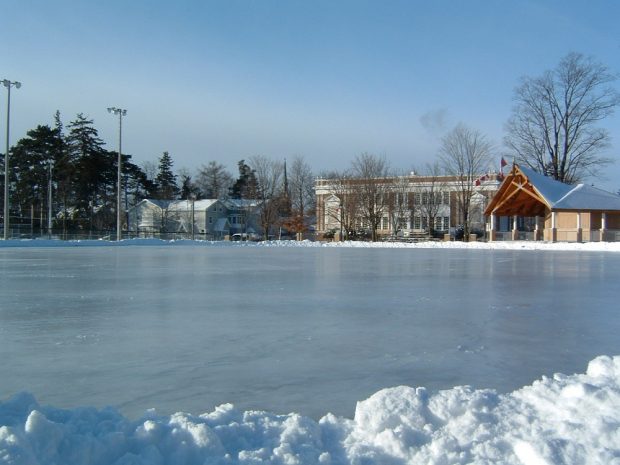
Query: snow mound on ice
point(558, 420)
point(502, 245)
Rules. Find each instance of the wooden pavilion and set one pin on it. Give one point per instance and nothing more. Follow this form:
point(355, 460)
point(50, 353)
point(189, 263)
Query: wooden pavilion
point(557, 211)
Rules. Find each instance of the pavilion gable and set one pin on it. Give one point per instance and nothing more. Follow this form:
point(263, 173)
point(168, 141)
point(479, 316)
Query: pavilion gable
point(518, 195)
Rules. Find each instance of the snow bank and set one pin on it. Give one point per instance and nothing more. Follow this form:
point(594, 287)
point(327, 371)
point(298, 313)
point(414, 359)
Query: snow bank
point(502, 245)
point(558, 420)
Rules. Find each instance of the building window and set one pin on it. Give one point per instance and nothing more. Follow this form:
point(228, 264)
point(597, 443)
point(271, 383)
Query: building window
point(416, 222)
point(384, 223)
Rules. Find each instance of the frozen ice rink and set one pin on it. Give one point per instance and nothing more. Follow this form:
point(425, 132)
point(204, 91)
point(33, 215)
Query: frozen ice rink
point(304, 329)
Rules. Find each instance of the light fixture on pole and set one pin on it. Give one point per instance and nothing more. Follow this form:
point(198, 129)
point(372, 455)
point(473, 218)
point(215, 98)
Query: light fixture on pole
point(120, 113)
point(8, 84)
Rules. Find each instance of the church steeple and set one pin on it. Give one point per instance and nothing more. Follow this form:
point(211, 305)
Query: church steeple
point(286, 191)
point(286, 195)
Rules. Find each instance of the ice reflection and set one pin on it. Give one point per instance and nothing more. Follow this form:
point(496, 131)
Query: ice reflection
point(293, 329)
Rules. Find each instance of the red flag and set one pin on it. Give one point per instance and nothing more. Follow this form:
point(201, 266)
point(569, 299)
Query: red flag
point(503, 162)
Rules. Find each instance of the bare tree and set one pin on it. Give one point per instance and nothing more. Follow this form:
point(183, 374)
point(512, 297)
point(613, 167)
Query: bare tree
point(399, 203)
point(464, 153)
point(214, 180)
point(344, 210)
point(269, 177)
point(431, 195)
point(372, 189)
point(301, 182)
point(150, 170)
point(553, 126)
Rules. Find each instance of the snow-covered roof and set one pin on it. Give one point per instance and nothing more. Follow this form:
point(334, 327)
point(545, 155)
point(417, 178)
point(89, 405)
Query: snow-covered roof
point(181, 205)
point(158, 203)
point(588, 197)
point(547, 187)
point(185, 205)
point(562, 196)
point(241, 203)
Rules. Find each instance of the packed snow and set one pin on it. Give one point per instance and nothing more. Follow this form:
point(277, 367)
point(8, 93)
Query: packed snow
point(563, 419)
point(498, 245)
point(559, 420)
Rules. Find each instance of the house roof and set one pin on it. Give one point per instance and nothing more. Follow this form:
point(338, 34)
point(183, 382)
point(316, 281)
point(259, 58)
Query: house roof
point(525, 192)
point(180, 205)
point(241, 203)
point(186, 205)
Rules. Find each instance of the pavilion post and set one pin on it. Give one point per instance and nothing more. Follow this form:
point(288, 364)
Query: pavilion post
point(492, 228)
point(515, 231)
point(537, 230)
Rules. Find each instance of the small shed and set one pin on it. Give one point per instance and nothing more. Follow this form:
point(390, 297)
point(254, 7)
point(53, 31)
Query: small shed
point(558, 211)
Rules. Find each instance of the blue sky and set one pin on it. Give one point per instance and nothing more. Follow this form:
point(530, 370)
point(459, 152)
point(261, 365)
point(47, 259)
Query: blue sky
point(328, 80)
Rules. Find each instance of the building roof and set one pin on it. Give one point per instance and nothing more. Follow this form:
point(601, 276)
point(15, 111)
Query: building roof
point(550, 189)
point(241, 203)
point(181, 205)
point(186, 205)
point(525, 192)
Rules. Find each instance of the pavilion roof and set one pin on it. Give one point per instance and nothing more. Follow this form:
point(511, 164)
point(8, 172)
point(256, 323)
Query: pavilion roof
point(525, 192)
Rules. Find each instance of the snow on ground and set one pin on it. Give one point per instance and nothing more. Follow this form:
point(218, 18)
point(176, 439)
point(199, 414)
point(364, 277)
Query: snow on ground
point(501, 245)
point(560, 420)
point(566, 419)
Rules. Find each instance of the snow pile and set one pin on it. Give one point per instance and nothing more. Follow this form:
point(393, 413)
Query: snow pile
point(559, 420)
point(500, 245)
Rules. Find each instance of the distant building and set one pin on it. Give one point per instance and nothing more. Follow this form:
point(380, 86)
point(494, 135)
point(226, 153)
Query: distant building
point(530, 206)
point(209, 219)
point(415, 205)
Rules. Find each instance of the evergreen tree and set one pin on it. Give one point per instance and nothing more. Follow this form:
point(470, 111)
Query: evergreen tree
point(95, 175)
point(189, 190)
point(246, 186)
point(63, 173)
point(166, 180)
point(30, 161)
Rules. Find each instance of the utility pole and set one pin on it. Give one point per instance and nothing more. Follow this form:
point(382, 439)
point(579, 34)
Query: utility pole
point(8, 84)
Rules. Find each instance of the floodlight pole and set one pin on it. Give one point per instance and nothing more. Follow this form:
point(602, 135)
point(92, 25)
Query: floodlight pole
point(120, 113)
point(8, 84)
point(49, 199)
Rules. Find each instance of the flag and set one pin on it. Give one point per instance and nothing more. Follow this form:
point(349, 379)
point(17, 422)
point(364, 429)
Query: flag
point(503, 162)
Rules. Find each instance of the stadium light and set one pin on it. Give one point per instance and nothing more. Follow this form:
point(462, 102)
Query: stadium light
point(8, 84)
point(120, 112)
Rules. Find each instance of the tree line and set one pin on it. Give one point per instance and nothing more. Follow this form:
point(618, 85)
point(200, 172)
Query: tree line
point(554, 129)
point(72, 167)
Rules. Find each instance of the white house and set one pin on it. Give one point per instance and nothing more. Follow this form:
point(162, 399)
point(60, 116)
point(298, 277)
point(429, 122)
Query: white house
point(210, 219)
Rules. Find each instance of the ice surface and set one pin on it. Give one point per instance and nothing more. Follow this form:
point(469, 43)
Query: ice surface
point(559, 420)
